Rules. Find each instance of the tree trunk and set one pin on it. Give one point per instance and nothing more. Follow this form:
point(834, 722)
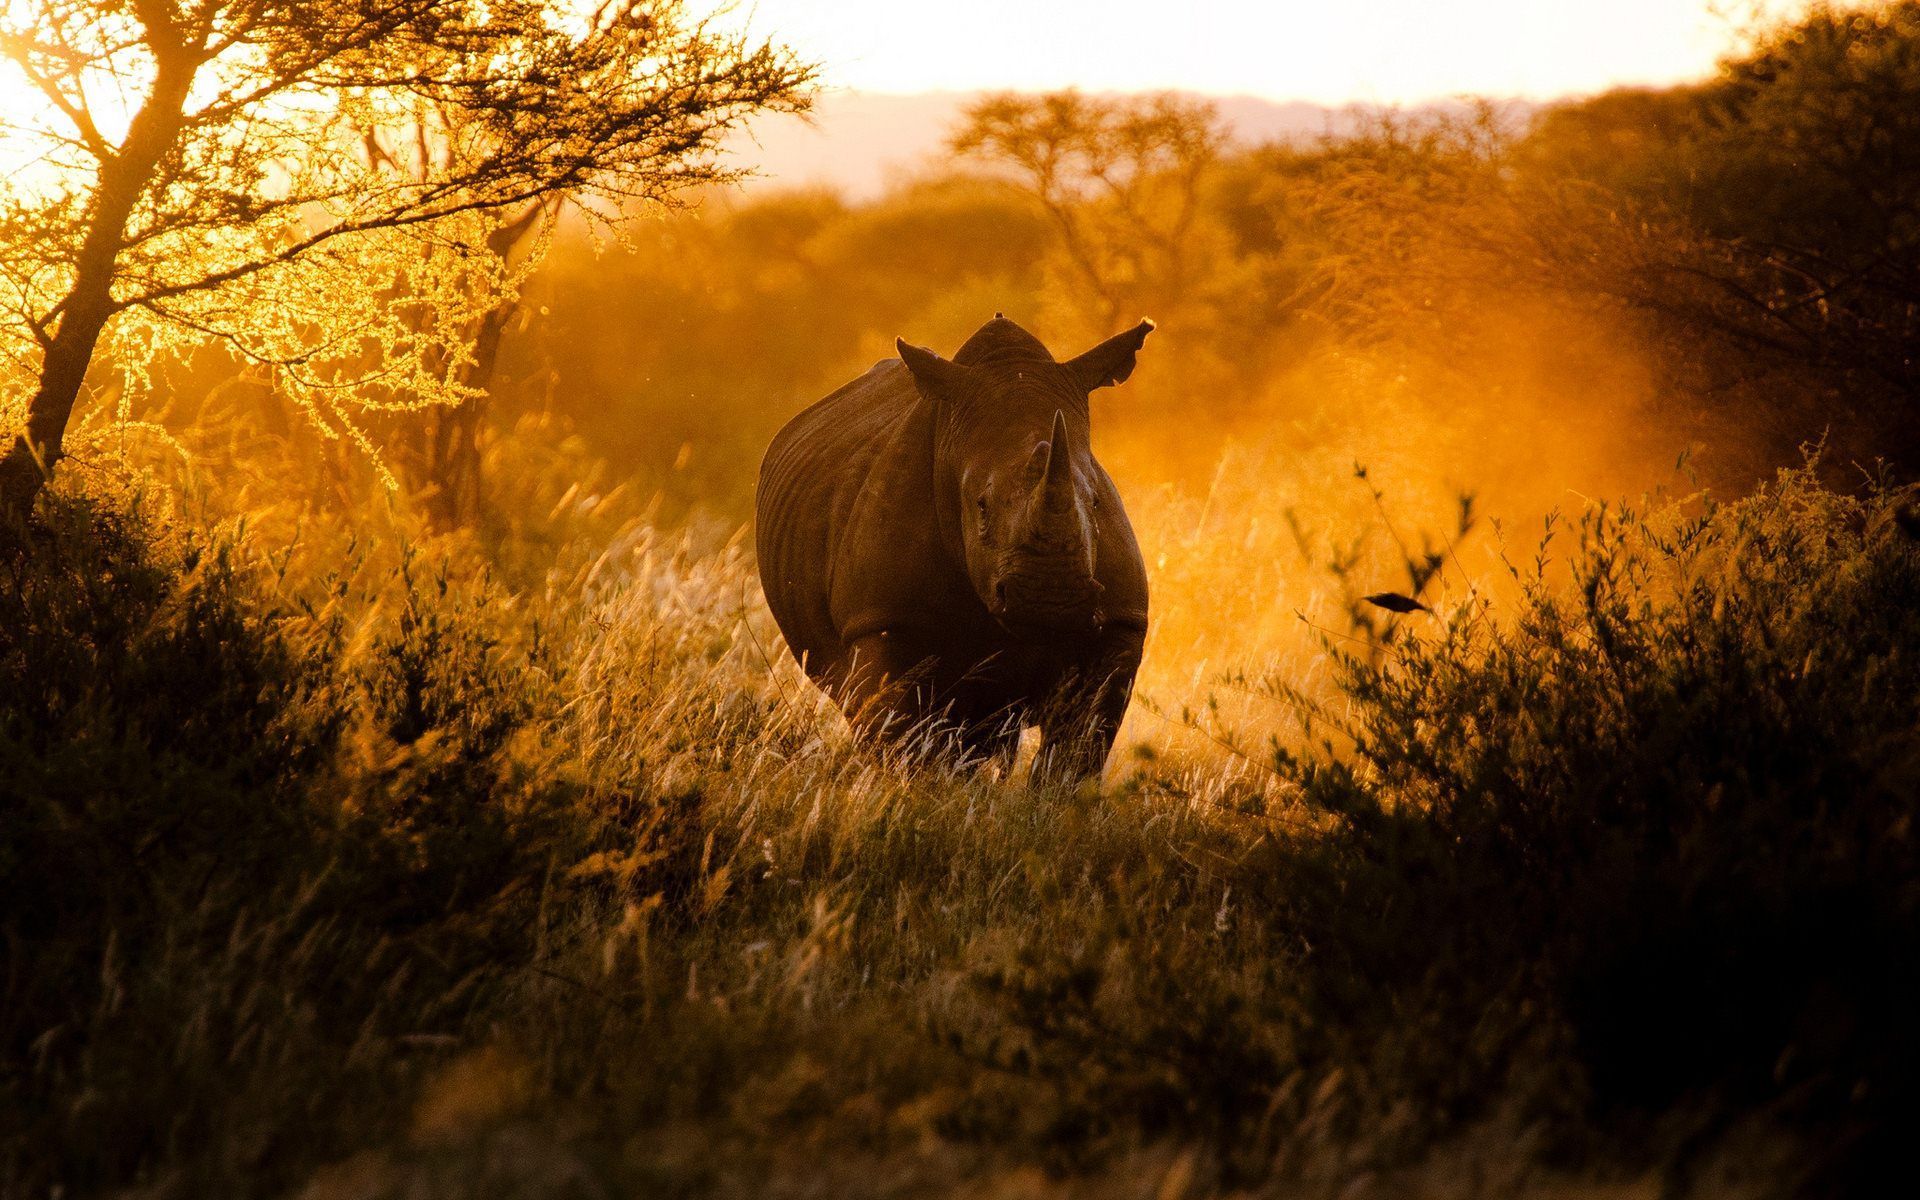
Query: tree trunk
point(459, 468)
point(29, 462)
point(124, 177)
point(452, 466)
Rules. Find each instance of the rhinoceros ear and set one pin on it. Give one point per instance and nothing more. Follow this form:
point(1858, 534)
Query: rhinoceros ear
point(1112, 360)
point(937, 377)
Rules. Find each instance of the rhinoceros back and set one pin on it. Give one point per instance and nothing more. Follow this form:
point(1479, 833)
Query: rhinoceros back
point(810, 481)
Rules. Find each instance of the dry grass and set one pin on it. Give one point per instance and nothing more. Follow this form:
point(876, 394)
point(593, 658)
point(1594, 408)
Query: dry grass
point(583, 890)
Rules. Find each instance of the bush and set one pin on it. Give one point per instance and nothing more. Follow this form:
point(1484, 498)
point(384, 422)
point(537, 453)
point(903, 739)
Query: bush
point(156, 723)
point(154, 748)
point(1669, 807)
point(246, 854)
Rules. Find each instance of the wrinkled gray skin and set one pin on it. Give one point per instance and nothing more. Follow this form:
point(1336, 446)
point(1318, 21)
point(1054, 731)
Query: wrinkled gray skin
point(943, 553)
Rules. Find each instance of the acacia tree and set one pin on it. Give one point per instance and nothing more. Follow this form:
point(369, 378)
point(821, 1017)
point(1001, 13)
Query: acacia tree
point(1763, 226)
point(1807, 183)
point(202, 171)
point(1122, 180)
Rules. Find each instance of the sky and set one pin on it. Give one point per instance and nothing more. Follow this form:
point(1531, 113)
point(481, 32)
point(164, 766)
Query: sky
point(1369, 51)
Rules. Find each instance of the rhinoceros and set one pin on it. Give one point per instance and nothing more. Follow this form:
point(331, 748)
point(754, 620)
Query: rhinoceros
point(946, 559)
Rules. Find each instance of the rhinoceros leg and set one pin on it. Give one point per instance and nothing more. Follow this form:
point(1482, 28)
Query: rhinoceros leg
point(992, 740)
point(1080, 720)
point(897, 691)
point(886, 686)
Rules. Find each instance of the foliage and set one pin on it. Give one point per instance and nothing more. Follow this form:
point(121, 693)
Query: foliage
point(1666, 802)
point(1122, 180)
point(1766, 219)
point(235, 839)
point(253, 176)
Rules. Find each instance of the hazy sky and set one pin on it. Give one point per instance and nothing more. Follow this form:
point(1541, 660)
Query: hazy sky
point(1323, 50)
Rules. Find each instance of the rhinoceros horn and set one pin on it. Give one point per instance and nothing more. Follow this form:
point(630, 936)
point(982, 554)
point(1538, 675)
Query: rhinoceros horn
point(1056, 485)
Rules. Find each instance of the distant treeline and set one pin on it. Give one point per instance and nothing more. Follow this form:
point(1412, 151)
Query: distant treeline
point(1726, 267)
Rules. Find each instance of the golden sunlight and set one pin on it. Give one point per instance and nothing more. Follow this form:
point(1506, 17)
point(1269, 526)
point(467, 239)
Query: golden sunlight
point(1200, 599)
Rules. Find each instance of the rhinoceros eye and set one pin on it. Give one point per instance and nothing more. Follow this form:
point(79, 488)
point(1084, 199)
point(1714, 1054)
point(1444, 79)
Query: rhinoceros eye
point(980, 506)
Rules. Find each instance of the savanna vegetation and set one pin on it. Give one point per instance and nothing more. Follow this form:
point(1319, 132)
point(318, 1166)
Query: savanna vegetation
point(403, 789)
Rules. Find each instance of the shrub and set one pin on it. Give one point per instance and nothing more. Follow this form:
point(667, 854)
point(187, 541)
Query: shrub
point(158, 730)
point(246, 854)
point(1668, 805)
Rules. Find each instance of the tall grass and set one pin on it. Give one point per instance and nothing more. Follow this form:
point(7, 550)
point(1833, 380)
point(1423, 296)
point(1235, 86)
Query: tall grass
point(359, 873)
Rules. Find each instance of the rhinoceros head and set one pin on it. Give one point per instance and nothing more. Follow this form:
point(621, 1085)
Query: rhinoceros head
point(1014, 479)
